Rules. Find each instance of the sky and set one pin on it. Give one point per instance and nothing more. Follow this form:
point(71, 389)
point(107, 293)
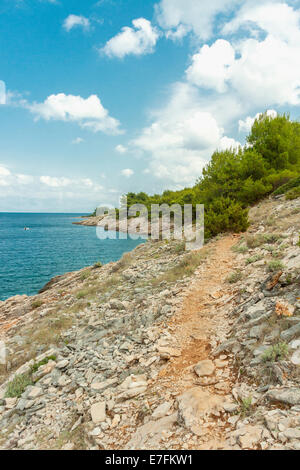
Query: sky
point(98, 98)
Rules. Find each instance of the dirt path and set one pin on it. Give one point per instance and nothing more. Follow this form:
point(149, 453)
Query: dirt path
point(203, 316)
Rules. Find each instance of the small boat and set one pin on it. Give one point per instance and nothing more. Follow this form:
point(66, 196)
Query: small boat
point(26, 228)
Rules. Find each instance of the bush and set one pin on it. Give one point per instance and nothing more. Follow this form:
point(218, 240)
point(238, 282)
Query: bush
point(37, 304)
point(97, 265)
point(293, 194)
point(45, 361)
point(235, 179)
point(17, 386)
point(81, 294)
point(253, 259)
point(293, 183)
point(275, 265)
point(235, 277)
point(275, 353)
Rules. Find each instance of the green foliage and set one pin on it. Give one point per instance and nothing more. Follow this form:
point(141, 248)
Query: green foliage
point(37, 304)
point(17, 386)
point(276, 140)
point(81, 294)
point(235, 277)
point(293, 194)
point(293, 183)
point(275, 265)
point(45, 361)
point(253, 259)
point(85, 275)
point(246, 406)
point(97, 265)
point(275, 353)
point(235, 179)
point(240, 248)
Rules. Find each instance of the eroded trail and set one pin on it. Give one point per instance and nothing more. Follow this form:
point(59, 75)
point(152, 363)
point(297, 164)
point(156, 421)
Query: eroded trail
point(199, 324)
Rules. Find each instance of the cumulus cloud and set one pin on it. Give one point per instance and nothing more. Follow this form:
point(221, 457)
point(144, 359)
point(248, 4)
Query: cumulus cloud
point(139, 40)
point(75, 21)
point(182, 137)
point(211, 66)
point(2, 93)
point(7, 178)
point(260, 71)
point(246, 125)
point(44, 193)
point(24, 179)
point(274, 18)
point(127, 172)
point(88, 113)
point(55, 182)
point(179, 17)
point(121, 149)
point(4, 176)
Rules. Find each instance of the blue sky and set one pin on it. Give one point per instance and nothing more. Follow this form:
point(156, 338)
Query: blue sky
point(101, 98)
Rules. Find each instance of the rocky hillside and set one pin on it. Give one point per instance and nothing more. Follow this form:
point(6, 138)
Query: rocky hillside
point(164, 349)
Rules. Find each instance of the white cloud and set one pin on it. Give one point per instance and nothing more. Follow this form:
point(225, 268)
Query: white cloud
point(24, 179)
point(54, 182)
point(77, 141)
point(121, 149)
point(8, 179)
point(182, 137)
point(4, 176)
point(211, 66)
point(127, 172)
point(260, 71)
point(179, 17)
point(227, 143)
point(139, 40)
point(246, 125)
point(88, 113)
point(2, 93)
point(4, 171)
point(278, 19)
point(75, 21)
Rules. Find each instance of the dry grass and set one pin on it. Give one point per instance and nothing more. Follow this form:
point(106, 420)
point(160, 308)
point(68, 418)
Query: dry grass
point(186, 267)
point(123, 263)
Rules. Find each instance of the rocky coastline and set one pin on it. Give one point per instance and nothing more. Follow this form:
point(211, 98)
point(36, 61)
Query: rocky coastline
point(164, 349)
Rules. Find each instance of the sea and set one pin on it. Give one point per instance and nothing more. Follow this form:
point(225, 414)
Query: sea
point(52, 246)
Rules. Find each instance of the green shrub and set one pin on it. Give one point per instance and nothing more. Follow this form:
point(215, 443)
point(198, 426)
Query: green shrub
point(97, 265)
point(240, 248)
point(85, 275)
point(37, 304)
point(275, 353)
point(253, 259)
point(275, 265)
point(293, 194)
point(235, 277)
point(235, 179)
point(81, 294)
point(293, 183)
point(45, 361)
point(17, 386)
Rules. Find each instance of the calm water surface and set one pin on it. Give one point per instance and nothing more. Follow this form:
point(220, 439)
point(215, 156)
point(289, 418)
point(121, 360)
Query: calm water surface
point(52, 246)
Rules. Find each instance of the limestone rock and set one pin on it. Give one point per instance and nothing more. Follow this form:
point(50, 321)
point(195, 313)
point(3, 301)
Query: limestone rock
point(98, 412)
point(195, 403)
point(290, 396)
point(204, 368)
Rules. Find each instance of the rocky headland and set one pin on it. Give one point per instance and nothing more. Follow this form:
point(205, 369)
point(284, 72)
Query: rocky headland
point(165, 349)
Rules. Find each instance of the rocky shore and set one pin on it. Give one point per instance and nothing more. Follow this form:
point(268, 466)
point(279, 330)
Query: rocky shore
point(164, 349)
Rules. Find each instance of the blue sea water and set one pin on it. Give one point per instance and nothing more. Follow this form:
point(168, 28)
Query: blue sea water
point(52, 246)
